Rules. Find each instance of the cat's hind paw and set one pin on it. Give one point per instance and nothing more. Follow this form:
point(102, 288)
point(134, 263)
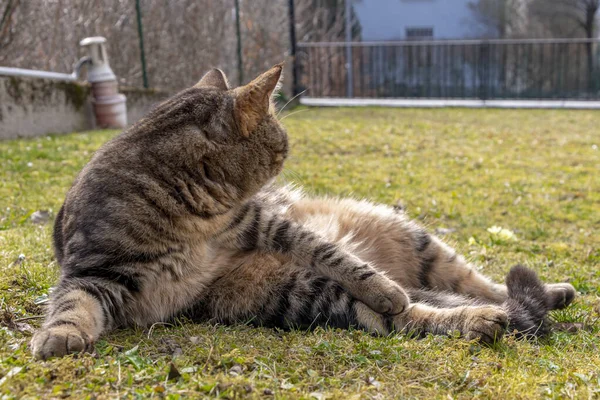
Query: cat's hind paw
point(559, 295)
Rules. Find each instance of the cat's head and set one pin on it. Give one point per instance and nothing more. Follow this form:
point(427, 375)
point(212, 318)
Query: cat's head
point(221, 135)
point(257, 144)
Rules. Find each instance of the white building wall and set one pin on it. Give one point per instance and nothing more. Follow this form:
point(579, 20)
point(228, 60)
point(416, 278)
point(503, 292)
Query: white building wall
point(388, 19)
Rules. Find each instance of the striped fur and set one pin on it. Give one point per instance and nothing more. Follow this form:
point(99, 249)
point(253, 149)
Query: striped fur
point(177, 216)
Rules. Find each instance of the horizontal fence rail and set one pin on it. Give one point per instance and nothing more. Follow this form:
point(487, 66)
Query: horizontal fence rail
point(466, 69)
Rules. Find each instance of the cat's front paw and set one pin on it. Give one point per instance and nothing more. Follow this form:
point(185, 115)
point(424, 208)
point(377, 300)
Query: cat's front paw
point(59, 341)
point(384, 296)
point(487, 324)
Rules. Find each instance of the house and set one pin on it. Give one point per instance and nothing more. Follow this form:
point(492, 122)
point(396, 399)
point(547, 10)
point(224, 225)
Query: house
point(415, 19)
point(432, 59)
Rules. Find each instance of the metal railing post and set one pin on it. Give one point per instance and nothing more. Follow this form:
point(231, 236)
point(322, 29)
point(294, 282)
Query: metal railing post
point(292, 22)
point(349, 72)
point(138, 11)
point(238, 33)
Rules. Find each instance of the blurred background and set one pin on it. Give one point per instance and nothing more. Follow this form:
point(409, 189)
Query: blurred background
point(445, 48)
point(182, 38)
point(476, 50)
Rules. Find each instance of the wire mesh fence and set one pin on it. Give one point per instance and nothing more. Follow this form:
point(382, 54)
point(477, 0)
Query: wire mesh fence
point(490, 69)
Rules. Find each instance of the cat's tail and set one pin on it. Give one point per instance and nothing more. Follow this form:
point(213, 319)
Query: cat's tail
point(526, 305)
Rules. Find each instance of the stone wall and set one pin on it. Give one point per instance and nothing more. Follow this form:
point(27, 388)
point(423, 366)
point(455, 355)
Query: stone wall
point(32, 107)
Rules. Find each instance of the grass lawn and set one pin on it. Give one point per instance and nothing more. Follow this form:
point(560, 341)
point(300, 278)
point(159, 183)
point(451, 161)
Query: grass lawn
point(460, 172)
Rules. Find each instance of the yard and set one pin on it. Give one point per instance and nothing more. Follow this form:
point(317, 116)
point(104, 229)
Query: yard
point(461, 172)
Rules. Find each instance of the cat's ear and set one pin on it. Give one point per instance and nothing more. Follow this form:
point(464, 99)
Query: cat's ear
point(252, 101)
point(214, 78)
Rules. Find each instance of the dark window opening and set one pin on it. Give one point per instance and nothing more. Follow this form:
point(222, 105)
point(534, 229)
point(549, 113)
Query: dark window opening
point(419, 33)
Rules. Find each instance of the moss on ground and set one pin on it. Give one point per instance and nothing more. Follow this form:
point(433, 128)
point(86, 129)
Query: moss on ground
point(461, 172)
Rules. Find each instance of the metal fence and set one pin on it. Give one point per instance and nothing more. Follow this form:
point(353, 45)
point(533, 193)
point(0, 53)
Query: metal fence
point(476, 69)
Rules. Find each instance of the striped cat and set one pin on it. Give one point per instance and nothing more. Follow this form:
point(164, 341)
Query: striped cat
point(178, 216)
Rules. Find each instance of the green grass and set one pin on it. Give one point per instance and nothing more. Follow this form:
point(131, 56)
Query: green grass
point(535, 173)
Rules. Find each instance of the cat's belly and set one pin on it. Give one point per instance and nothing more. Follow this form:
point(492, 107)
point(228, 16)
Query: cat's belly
point(375, 233)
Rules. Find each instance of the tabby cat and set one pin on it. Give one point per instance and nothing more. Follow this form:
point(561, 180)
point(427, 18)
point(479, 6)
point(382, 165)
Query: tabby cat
point(178, 216)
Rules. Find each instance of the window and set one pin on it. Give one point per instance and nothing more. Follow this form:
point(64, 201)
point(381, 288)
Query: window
point(419, 33)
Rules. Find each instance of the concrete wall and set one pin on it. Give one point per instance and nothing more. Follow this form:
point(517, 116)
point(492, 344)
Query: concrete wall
point(33, 107)
point(140, 101)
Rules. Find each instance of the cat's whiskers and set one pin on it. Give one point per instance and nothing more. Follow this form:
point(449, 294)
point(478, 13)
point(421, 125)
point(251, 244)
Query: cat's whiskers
point(289, 172)
point(295, 112)
point(290, 100)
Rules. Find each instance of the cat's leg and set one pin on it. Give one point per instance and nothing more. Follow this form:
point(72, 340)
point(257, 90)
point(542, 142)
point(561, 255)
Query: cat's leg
point(487, 323)
point(274, 291)
point(439, 312)
point(297, 302)
point(441, 299)
point(441, 268)
point(80, 311)
point(527, 305)
point(414, 258)
point(256, 228)
point(267, 291)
